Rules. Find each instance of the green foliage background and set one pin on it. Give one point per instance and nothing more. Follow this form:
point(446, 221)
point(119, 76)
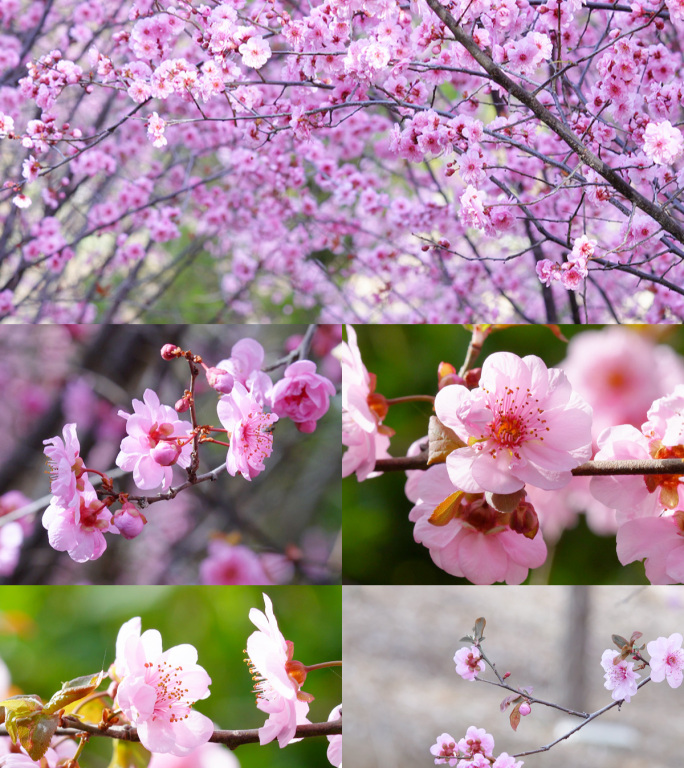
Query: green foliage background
point(52, 634)
point(378, 537)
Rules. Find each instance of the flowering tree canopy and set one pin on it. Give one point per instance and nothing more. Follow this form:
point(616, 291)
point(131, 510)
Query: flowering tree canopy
point(366, 160)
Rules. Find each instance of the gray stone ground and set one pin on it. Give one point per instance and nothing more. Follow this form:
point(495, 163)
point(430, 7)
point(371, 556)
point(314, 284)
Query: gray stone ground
point(401, 690)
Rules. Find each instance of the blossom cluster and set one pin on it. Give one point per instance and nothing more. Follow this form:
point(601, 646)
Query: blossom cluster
point(504, 487)
point(159, 437)
point(342, 143)
point(474, 750)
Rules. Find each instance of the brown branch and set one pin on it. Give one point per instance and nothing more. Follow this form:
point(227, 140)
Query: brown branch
point(73, 726)
point(592, 468)
point(497, 74)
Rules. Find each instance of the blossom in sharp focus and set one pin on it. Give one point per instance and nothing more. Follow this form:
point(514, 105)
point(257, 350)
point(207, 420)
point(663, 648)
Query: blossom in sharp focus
point(523, 424)
point(667, 659)
point(66, 465)
point(78, 527)
point(278, 679)
point(621, 678)
point(663, 143)
point(469, 662)
point(153, 430)
point(158, 689)
point(362, 413)
point(250, 440)
point(302, 395)
point(335, 745)
point(477, 741)
point(474, 541)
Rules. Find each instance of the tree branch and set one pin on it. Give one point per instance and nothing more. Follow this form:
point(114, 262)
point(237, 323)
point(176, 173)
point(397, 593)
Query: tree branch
point(73, 727)
point(592, 468)
point(497, 74)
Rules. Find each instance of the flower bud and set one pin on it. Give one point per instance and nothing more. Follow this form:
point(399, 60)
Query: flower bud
point(220, 380)
point(170, 351)
point(129, 520)
point(182, 405)
point(525, 708)
point(524, 520)
point(166, 453)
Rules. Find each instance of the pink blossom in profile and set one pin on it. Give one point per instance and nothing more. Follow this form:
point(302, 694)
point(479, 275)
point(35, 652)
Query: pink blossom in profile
point(667, 660)
point(250, 439)
point(445, 750)
point(302, 395)
point(244, 365)
point(620, 372)
point(79, 527)
point(469, 662)
point(278, 679)
point(523, 424)
point(149, 427)
point(158, 689)
point(621, 679)
point(209, 755)
point(334, 753)
point(66, 465)
point(362, 413)
point(232, 564)
point(474, 543)
point(659, 541)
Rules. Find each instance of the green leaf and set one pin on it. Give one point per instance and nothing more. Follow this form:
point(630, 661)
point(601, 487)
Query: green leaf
point(129, 754)
point(72, 691)
point(29, 725)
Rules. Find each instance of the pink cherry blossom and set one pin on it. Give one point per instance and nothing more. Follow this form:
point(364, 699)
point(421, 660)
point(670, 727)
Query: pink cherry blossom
point(523, 424)
point(232, 564)
point(620, 678)
point(445, 750)
point(334, 753)
point(361, 417)
point(244, 365)
point(667, 659)
point(158, 689)
point(477, 741)
point(504, 760)
point(78, 527)
point(474, 543)
point(302, 395)
point(469, 662)
point(155, 130)
point(278, 679)
point(66, 465)
point(209, 755)
point(663, 143)
point(250, 439)
point(659, 541)
point(150, 424)
point(255, 52)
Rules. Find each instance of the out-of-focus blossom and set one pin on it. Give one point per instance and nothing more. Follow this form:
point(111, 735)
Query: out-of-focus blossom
point(335, 746)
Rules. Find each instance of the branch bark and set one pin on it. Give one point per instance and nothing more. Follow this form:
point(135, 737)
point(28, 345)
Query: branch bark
point(497, 74)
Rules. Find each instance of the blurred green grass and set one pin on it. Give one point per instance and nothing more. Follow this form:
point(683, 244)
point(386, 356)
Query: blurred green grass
point(378, 537)
point(52, 634)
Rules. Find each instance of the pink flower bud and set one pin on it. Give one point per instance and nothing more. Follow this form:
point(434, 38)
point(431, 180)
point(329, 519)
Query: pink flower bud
point(129, 520)
point(170, 351)
point(166, 453)
point(220, 380)
point(182, 405)
point(525, 708)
